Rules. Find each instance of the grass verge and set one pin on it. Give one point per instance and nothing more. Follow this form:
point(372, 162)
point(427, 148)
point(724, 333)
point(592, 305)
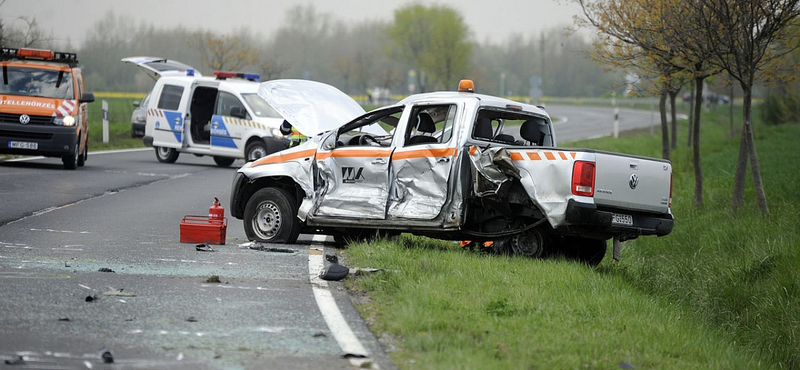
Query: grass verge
point(720, 292)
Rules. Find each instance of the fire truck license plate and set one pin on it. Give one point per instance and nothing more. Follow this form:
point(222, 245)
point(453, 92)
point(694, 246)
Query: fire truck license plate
point(23, 145)
point(620, 219)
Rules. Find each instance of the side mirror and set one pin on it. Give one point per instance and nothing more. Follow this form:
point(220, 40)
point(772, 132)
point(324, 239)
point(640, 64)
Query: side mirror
point(136, 104)
point(86, 98)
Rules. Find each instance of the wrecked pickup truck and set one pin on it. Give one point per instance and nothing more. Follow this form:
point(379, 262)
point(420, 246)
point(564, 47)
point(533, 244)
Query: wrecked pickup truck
point(448, 165)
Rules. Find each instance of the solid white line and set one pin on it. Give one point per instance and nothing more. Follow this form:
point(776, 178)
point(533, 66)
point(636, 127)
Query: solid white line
point(338, 326)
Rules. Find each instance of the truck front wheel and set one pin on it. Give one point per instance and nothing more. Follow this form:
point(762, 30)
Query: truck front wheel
point(166, 155)
point(271, 217)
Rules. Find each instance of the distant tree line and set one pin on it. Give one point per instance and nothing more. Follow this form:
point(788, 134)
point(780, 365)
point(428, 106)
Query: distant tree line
point(353, 57)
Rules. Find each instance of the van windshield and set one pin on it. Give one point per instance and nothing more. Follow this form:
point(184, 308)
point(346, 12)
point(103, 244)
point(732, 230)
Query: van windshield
point(45, 83)
point(260, 107)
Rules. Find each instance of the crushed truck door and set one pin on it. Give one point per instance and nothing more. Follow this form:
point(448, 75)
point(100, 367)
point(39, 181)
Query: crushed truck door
point(354, 168)
point(422, 167)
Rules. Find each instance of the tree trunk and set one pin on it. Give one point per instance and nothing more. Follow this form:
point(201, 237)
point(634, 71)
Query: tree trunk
point(698, 171)
point(737, 201)
point(662, 108)
point(755, 167)
point(691, 117)
point(672, 96)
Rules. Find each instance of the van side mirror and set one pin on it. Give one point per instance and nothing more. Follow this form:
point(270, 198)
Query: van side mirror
point(86, 98)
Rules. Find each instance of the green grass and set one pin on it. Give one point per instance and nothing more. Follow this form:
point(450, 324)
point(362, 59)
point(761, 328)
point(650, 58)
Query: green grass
point(119, 124)
point(720, 292)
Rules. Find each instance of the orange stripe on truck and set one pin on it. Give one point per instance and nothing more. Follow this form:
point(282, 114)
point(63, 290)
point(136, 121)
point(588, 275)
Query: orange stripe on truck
point(283, 157)
point(354, 153)
point(423, 153)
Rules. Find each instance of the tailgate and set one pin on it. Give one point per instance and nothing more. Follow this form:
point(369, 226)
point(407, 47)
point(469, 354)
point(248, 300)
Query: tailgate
point(631, 182)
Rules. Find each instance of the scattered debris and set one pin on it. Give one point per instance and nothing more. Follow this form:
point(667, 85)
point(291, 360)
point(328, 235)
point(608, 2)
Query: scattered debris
point(320, 335)
point(91, 298)
point(191, 319)
point(203, 248)
point(106, 356)
point(334, 272)
point(353, 355)
point(66, 264)
point(626, 365)
point(262, 247)
point(332, 258)
point(105, 269)
point(17, 361)
point(64, 319)
point(213, 279)
point(118, 293)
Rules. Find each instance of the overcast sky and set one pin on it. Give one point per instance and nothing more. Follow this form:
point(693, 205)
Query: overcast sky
point(492, 20)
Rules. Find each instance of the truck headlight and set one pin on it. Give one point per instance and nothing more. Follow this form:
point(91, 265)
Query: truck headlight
point(64, 121)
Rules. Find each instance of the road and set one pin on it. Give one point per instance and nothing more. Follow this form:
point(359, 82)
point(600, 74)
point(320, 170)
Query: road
point(70, 240)
point(122, 213)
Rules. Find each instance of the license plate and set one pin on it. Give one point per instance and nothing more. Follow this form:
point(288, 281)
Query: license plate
point(23, 145)
point(621, 219)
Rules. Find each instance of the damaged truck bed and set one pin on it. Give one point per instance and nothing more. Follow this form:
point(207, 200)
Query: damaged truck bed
point(448, 165)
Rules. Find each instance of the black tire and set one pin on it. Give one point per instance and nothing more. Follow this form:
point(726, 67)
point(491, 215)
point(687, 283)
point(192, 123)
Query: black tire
point(70, 161)
point(255, 150)
point(270, 216)
point(166, 155)
point(84, 156)
point(587, 251)
point(224, 161)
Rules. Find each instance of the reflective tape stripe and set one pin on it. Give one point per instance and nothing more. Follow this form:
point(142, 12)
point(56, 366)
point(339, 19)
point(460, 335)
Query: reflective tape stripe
point(538, 156)
point(420, 153)
point(283, 157)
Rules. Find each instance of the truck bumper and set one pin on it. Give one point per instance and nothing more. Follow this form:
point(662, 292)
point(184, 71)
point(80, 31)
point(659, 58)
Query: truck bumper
point(50, 141)
point(588, 219)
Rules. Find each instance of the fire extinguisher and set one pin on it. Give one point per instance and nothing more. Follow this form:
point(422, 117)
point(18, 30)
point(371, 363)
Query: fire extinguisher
point(216, 212)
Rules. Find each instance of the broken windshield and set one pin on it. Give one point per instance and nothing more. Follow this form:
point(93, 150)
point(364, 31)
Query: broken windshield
point(45, 83)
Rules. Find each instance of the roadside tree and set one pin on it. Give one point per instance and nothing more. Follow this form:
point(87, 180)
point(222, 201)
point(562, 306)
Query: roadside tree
point(433, 41)
point(750, 37)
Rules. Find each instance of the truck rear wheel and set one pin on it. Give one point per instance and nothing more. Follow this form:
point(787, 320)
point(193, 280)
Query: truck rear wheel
point(166, 155)
point(223, 161)
point(271, 217)
point(587, 251)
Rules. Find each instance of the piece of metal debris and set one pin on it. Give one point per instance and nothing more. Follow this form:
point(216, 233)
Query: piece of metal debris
point(91, 298)
point(213, 279)
point(191, 319)
point(331, 258)
point(119, 293)
point(17, 361)
point(105, 269)
point(203, 248)
point(261, 247)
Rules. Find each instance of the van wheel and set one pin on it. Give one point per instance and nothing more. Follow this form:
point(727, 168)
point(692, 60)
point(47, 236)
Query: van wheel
point(224, 161)
point(84, 156)
point(255, 150)
point(271, 217)
point(70, 161)
point(166, 155)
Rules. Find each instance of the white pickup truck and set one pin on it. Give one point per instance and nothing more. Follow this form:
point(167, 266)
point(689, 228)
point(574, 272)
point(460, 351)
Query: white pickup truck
point(448, 165)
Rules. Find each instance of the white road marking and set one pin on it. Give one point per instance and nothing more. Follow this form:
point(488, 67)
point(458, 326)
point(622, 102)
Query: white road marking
point(338, 326)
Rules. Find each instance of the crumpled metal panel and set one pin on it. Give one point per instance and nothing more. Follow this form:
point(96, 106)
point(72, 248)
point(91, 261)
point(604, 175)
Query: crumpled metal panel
point(354, 187)
point(420, 187)
point(491, 168)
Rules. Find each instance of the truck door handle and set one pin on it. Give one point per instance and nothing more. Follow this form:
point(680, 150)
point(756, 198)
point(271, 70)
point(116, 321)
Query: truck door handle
point(379, 161)
point(443, 160)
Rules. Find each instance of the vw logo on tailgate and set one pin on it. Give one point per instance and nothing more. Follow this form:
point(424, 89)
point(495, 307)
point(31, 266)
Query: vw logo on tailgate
point(24, 119)
point(633, 181)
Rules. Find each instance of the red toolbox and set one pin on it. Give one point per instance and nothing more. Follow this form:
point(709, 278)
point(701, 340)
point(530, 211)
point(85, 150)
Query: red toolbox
point(203, 229)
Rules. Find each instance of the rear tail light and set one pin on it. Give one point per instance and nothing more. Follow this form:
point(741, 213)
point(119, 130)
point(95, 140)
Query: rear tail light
point(583, 178)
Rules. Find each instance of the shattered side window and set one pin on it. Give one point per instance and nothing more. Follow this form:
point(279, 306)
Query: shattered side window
point(431, 124)
point(513, 128)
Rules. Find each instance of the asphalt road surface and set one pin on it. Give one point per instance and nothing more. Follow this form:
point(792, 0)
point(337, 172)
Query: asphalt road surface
point(91, 261)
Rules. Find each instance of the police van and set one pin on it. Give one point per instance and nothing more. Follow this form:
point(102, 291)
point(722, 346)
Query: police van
point(221, 116)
